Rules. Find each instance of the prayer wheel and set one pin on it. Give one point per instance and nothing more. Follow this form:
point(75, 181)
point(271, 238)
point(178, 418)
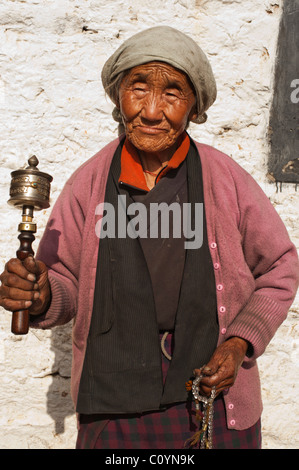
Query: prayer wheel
point(29, 190)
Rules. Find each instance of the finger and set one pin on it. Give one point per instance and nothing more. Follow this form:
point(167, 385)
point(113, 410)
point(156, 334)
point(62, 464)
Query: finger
point(224, 371)
point(209, 369)
point(197, 372)
point(215, 363)
point(19, 294)
point(16, 266)
point(14, 280)
point(219, 381)
point(31, 265)
point(206, 391)
point(15, 305)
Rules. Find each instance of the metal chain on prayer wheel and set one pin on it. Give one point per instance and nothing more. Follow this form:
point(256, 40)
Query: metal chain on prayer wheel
point(29, 190)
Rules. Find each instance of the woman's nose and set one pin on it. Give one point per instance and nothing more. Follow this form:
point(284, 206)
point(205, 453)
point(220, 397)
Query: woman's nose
point(152, 108)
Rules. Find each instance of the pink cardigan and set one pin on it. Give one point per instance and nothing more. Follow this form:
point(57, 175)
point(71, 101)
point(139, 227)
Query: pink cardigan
point(255, 263)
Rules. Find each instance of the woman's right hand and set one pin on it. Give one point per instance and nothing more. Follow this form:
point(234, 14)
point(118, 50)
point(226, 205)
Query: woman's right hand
point(25, 285)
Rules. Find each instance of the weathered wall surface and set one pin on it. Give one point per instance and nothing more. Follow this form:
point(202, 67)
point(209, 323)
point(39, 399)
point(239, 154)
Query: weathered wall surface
point(52, 105)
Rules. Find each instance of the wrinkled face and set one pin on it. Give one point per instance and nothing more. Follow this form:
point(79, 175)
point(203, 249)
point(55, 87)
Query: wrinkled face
point(156, 101)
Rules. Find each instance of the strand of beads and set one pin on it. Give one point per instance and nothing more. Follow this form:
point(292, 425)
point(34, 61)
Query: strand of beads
point(205, 434)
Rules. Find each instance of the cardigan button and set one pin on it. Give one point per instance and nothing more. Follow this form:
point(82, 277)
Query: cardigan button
point(231, 406)
point(213, 245)
point(232, 422)
point(216, 265)
point(219, 287)
point(223, 331)
point(222, 309)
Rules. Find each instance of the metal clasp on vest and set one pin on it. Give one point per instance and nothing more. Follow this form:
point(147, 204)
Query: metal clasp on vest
point(163, 346)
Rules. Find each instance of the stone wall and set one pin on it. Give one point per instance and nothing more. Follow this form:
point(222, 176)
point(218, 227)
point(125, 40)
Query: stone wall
point(53, 105)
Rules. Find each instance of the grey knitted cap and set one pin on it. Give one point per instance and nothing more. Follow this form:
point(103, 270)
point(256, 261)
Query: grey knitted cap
point(164, 44)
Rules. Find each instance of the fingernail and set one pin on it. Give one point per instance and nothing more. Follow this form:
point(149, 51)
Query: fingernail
point(36, 295)
point(31, 277)
point(28, 303)
point(35, 287)
point(207, 369)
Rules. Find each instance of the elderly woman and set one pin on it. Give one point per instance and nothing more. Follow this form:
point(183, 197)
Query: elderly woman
point(151, 314)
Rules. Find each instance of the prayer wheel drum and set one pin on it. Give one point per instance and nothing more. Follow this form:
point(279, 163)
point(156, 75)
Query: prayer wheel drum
point(30, 187)
point(29, 190)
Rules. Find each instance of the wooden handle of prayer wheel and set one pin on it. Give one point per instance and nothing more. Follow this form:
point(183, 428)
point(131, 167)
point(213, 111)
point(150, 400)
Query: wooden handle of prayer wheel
point(20, 318)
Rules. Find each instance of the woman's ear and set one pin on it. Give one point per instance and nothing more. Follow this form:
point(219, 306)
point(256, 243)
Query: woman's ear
point(193, 113)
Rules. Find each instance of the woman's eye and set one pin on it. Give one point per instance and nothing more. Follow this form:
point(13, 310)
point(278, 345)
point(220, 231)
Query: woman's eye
point(138, 86)
point(139, 90)
point(172, 93)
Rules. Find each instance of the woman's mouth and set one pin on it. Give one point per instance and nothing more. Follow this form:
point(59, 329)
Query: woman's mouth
point(151, 130)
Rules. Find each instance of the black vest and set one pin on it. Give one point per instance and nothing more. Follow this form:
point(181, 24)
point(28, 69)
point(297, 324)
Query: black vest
point(122, 368)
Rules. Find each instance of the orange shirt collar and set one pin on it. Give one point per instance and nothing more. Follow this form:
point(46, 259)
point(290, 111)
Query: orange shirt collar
point(131, 168)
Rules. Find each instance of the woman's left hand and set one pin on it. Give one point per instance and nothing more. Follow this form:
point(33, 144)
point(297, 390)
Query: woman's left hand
point(221, 371)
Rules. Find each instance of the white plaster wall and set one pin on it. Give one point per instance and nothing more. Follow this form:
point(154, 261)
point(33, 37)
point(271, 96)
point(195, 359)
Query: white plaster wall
point(52, 105)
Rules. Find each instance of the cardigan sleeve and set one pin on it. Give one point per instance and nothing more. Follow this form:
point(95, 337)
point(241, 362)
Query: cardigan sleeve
point(273, 261)
point(60, 249)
